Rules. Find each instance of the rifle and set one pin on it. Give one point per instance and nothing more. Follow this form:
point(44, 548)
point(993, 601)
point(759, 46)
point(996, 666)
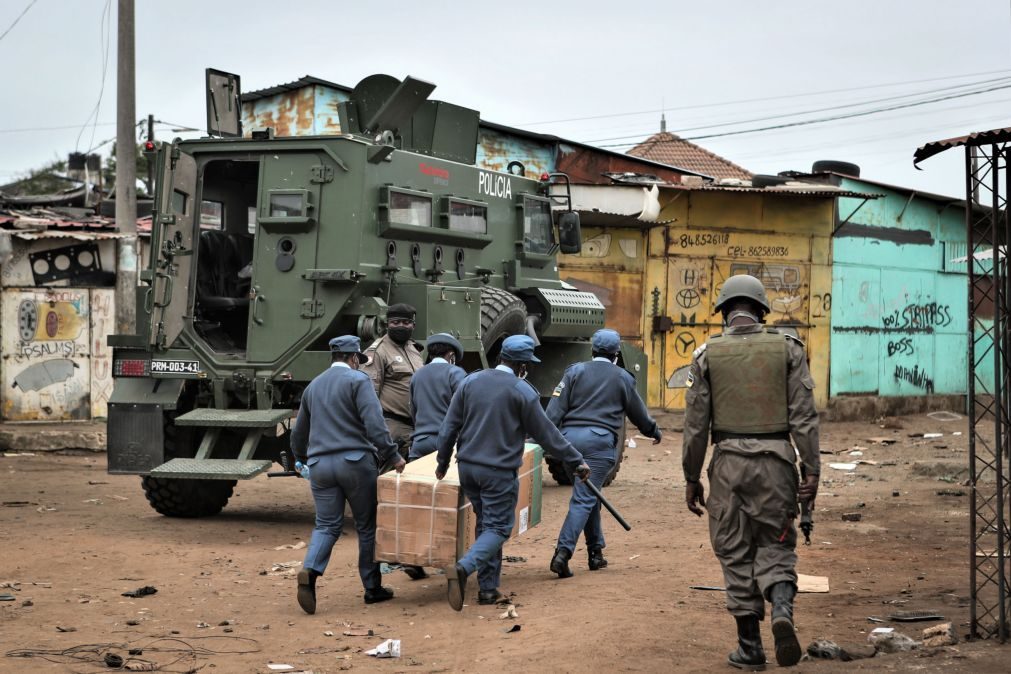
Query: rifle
point(806, 512)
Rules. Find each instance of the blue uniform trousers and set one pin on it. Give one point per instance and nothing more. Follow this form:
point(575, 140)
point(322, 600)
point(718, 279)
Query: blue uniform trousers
point(599, 453)
point(492, 493)
point(422, 447)
point(335, 478)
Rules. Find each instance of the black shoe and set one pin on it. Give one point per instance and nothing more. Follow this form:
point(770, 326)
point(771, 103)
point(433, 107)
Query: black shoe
point(560, 563)
point(488, 597)
point(749, 656)
point(378, 594)
point(307, 590)
point(597, 560)
point(415, 572)
point(787, 646)
point(456, 586)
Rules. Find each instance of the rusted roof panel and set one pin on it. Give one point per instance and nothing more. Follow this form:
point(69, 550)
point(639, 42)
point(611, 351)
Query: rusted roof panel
point(796, 189)
point(45, 222)
point(978, 138)
point(305, 81)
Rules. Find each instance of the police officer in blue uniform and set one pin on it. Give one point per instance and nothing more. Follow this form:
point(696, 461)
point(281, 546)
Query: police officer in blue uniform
point(340, 435)
point(589, 406)
point(491, 415)
point(432, 389)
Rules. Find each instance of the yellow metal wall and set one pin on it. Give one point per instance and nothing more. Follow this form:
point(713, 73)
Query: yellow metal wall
point(785, 240)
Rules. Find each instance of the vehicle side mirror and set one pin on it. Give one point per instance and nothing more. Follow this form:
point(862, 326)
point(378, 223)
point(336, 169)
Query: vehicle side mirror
point(570, 237)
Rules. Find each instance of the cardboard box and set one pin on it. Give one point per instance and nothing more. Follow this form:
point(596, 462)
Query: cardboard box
point(426, 522)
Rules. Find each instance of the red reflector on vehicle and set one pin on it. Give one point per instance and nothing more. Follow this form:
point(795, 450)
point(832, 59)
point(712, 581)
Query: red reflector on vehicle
point(130, 368)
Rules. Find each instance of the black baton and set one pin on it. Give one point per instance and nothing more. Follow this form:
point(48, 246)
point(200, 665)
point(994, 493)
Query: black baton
point(607, 504)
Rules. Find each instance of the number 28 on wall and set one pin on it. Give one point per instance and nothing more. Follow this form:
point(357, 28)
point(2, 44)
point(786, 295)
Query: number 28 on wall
point(821, 305)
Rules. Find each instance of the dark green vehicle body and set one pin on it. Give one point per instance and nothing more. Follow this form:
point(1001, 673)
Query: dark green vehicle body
point(263, 249)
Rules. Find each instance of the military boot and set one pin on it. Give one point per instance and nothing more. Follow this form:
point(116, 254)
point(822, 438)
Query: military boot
point(749, 656)
point(597, 560)
point(560, 563)
point(787, 647)
point(307, 590)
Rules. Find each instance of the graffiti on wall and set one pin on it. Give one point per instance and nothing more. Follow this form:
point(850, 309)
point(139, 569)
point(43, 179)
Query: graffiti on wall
point(103, 317)
point(46, 369)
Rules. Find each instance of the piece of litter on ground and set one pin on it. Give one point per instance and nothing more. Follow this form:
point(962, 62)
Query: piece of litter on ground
point(328, 633)
point(812, 584)
point(279, 667)
point(202, 625)
point(61, 628)
point(707, 588)
point(514, 559)
point(942, 415)
point(634, 557)
point(882, 440)
point(141, 591)
point(509, 613)
point(856, 452)
point(957, 433)
point(514, 628)
point(358, 631)
point(631, 443)
point(851, 517)
point(388, 649)
point(914, 616)
point(931, 436)
point(875, 619)
point(291, 546)
point(428, 636)
point(865, 462)
point(843, 466)
point(7, 597)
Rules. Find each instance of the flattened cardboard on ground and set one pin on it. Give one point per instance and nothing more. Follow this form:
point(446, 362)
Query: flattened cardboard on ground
point(426, 522)
point(812, 584)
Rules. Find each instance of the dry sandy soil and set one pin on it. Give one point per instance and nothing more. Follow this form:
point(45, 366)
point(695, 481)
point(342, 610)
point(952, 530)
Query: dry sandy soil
point(85, 537)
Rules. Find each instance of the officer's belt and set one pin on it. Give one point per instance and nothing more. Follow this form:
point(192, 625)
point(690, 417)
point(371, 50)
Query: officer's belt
point(720, 436)
point(399, 417)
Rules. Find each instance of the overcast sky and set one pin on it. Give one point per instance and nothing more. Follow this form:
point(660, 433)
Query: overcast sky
point(739, 64)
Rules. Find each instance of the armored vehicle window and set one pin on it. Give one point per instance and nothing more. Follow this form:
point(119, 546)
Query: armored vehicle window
point(179, 202)
point(410, 209)
point(537, 236)
point(287, 205)
point(468, 217)
point(212, 214)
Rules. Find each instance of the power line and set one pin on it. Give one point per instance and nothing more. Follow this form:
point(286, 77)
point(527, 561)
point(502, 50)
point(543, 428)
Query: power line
point(104, 33)
point(805, 122)
point(825, 109)
point(766, 98)
point(51, 128)
point(23, 12)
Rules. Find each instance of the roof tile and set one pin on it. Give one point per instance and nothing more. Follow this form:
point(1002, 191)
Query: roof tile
point(667, 148)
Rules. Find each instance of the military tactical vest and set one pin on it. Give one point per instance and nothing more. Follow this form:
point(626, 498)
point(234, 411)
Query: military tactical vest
point(747, 376)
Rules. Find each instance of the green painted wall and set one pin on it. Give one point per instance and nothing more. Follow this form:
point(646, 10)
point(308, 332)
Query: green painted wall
point(899, 314)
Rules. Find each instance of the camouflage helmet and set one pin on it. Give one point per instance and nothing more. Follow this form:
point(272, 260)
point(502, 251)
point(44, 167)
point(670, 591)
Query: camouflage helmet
point(742, 286)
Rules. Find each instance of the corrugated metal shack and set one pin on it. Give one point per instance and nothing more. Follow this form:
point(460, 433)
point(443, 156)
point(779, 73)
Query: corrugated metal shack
point(899, 327)
point(659, 276)
point(308, 107)
point(57, 307)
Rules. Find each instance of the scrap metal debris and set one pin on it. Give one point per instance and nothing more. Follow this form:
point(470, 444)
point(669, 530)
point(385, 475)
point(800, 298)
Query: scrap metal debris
point(141, 591)
point(388, 649)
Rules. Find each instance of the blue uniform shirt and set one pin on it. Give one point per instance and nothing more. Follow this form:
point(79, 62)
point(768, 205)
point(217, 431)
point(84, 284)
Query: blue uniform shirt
point(339, 412)
point(490, 417)
point(599, 393)
point(432, 389)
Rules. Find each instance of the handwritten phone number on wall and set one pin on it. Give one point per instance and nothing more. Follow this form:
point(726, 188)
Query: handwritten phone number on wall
point(703, 239)
point(758, 251)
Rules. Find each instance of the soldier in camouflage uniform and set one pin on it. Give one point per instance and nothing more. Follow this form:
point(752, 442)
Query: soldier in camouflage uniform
point(751, 386)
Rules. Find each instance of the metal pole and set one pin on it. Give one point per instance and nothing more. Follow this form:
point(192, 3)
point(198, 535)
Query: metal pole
point(971, 249)
point(1000, 216)
point(126, 173)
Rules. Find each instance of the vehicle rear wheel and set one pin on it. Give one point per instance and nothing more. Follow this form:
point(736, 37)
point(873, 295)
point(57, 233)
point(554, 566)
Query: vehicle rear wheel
point(183, 497)
point(502, 314)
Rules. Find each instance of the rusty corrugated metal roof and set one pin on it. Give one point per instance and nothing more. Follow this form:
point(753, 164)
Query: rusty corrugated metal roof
point(795, 188)
point(54, 223)
point(928, 150)
point(304, 81)
point(668, 148)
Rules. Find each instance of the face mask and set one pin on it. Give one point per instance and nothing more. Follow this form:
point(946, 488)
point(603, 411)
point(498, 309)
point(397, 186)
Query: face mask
point(400, 334)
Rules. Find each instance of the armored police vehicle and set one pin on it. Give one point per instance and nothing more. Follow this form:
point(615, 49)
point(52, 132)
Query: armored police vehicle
point(264, 248)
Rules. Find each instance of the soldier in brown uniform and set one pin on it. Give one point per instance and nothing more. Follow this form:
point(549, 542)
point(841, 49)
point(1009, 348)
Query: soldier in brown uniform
point(752, 387)
point(393, 360)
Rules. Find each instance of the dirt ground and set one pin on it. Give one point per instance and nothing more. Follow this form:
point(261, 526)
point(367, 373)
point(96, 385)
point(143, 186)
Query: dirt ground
point(84, 537)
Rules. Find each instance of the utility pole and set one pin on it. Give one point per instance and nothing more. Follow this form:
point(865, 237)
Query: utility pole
point(149, 155)
point(126, 173)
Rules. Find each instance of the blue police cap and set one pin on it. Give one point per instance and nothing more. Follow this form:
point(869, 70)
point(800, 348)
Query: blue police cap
point(519, 349)
point(606, 341)
point(348, 344)
point(449, 340)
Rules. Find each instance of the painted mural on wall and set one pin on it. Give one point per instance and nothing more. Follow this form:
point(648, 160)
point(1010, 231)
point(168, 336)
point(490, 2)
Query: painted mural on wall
point(46, 357)
point(698, 264)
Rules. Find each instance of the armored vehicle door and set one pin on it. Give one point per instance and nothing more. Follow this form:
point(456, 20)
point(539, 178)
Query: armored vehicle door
point(282, 303)
point(168, 298)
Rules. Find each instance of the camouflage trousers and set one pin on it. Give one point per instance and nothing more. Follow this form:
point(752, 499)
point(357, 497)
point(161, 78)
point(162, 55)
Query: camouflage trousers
point(752, 507)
